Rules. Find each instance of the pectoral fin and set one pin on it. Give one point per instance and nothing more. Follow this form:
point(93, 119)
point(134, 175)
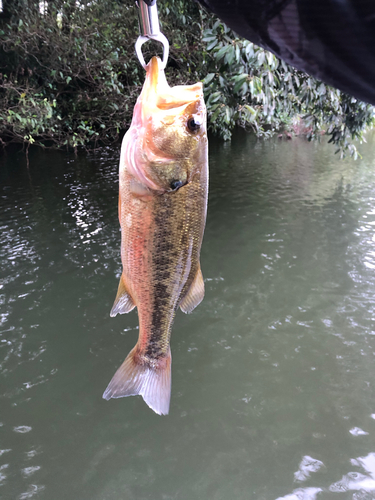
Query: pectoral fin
point(123, 302)
point(194, 295)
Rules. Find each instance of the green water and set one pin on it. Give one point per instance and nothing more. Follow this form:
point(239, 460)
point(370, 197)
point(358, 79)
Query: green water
point(273, 375)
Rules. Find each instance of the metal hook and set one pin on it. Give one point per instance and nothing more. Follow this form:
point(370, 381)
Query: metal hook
point(150, 30)
point(159, 38)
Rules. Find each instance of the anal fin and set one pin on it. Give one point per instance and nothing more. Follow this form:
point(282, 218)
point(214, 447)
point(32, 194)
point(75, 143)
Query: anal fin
point(123, 302)
point(194, 295)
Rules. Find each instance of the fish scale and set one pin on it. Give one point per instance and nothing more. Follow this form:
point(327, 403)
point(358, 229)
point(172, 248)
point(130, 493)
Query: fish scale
point(162, 213)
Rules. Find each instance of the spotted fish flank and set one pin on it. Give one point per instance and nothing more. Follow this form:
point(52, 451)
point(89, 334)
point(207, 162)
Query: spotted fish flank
point(162, 213)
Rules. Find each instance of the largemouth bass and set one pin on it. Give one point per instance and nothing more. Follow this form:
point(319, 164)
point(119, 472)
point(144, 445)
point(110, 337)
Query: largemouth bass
point(162, 212)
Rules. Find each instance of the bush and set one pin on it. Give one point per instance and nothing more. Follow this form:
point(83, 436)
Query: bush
point(249, 86)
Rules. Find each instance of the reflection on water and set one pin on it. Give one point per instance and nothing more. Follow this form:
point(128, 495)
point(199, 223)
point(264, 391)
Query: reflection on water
point(273, 391)
point(362, 484)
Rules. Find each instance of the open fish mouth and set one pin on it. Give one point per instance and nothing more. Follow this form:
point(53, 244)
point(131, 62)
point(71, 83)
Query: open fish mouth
point(156, 92)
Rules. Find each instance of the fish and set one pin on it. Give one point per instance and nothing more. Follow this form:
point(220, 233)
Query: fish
point(163, 190)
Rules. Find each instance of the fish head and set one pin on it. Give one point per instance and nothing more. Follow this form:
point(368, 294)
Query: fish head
point(171, 131)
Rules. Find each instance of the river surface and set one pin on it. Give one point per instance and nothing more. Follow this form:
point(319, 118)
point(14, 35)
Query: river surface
point(273, 375)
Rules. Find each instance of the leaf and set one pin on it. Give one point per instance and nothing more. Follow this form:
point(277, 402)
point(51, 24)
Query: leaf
point(214, 97)
point(230, 55)
point(261, 57)
point(208, 78)
point(217, 23)
point(222, 81)
point(322, 89)
point(221, 52)
point(238, 54)
point(250, 109)
point(214, 106)
point(216, 114)
point(250, 50)
point(209, 37)
point(240, 80)
point(227, 115)
point(212, 44)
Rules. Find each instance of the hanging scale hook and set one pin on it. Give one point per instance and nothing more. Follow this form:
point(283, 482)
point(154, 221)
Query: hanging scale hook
point(150, 30)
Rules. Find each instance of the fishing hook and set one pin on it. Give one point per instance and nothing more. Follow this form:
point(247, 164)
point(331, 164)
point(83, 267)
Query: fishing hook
point(150, 30)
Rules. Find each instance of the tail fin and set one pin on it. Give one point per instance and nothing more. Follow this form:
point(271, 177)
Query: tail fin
point(152, 383)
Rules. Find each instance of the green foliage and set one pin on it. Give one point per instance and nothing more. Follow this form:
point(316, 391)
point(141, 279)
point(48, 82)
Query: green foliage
point(249, 86)
point(69, 76)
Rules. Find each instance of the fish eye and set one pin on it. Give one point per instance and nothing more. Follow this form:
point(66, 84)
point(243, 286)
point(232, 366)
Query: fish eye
point(176, 185)
point(194, 123)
